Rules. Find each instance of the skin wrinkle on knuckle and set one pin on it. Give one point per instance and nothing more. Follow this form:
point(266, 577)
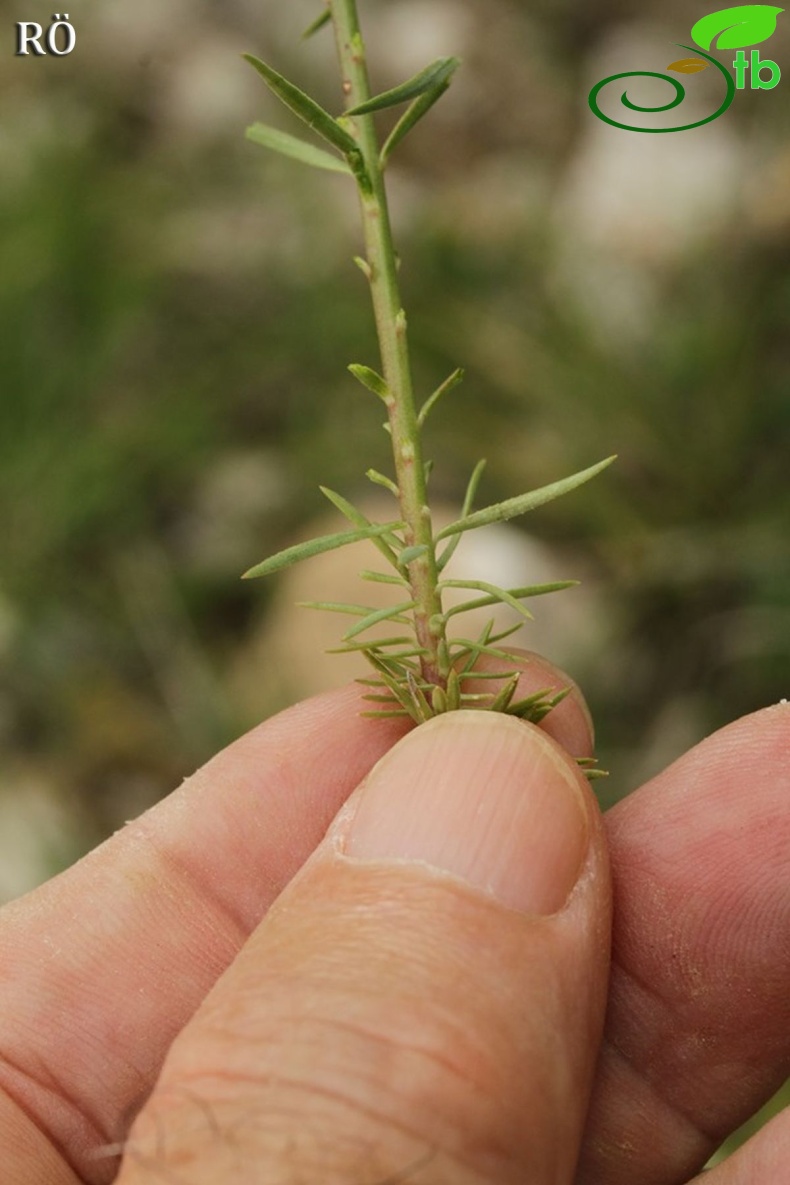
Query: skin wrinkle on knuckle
point(427, 1091)
point(656, 1113)
point(299, 1132)
point(33, 1097)
point(401, 1058)
point(625, 981)
point(649, 1094)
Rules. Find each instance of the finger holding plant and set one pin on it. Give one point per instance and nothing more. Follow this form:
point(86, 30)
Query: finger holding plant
point(418, 672)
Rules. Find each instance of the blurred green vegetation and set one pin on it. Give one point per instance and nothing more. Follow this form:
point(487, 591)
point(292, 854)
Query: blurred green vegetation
point(178, 308)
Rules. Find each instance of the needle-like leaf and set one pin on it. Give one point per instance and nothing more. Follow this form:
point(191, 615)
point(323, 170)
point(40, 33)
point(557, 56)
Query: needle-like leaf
point(336, 607)
point(400, 713)
point(403, 640)
point(453, 691)
point(477, 648)
point(448, 384)
point(469, 497)
point(502, 700)
point(411, 116)
point(312, 113)
point(537, 710)
point(380, 479)
point(394, 613)
point(383, 578)
point(510, 597)
point(288, 145)
point(303, 551)
point(370, 379)
point(363, 266)
point(432, 76)
point(384, 541)
point(422, 707)
point(317, 24)
point(496, 593)
point(512, 507)
point(411, 553)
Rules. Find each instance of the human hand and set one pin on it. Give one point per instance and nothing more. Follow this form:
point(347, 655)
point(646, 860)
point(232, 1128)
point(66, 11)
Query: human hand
point(279, 1007)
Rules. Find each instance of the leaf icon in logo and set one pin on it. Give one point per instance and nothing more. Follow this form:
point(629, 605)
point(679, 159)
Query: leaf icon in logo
point(746, 24)
point(688, 65)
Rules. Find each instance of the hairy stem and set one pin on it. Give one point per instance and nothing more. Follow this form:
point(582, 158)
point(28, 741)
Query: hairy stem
point(391, 328)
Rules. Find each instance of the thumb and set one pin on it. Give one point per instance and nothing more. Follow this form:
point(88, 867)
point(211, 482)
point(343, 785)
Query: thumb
point(424, 1001)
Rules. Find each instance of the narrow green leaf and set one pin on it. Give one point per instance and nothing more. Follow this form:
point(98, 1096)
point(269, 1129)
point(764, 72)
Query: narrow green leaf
point(395, 613)
point(411, 116)
point(383, 578)
point(469, 497)
point(448, 384)
point(432, 76)
point(487, 674)
point(411, 553)
point(494, 591)
point(389, 678)
point(593, 774)
point(305, 108)
point(398, 656)
point(370, 379)
point(397, 668)
point(502, 700)
point(363, 266)
point(477, 648)
point(453, 691)
point(500, 637)
point(403, 640)
point(541, 710)
point(288, 145)
point(512, 507)
point(317, 24)
point(399, 691)
point(422, 707)
point(523, 705)
point(336, 607)
point(303, 551)
point(494, 596)
point(401, 713)
point(487, 638)
point(386, 543)
point(379, 479)
point(346, 508)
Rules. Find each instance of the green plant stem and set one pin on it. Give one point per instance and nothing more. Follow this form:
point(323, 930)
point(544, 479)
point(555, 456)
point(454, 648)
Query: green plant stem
point(392, 333)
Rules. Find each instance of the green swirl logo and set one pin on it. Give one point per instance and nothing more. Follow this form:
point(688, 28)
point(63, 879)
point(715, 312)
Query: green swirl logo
point(731, 28)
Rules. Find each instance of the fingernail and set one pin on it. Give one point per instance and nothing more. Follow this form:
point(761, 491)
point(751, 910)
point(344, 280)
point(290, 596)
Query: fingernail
point(484, 797)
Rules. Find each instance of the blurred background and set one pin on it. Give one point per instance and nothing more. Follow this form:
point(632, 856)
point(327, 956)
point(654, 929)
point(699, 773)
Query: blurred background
point(177, 309)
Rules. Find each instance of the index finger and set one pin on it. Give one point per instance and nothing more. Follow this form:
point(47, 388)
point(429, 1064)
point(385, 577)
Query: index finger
point(103, 965)
point(698, 1029)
